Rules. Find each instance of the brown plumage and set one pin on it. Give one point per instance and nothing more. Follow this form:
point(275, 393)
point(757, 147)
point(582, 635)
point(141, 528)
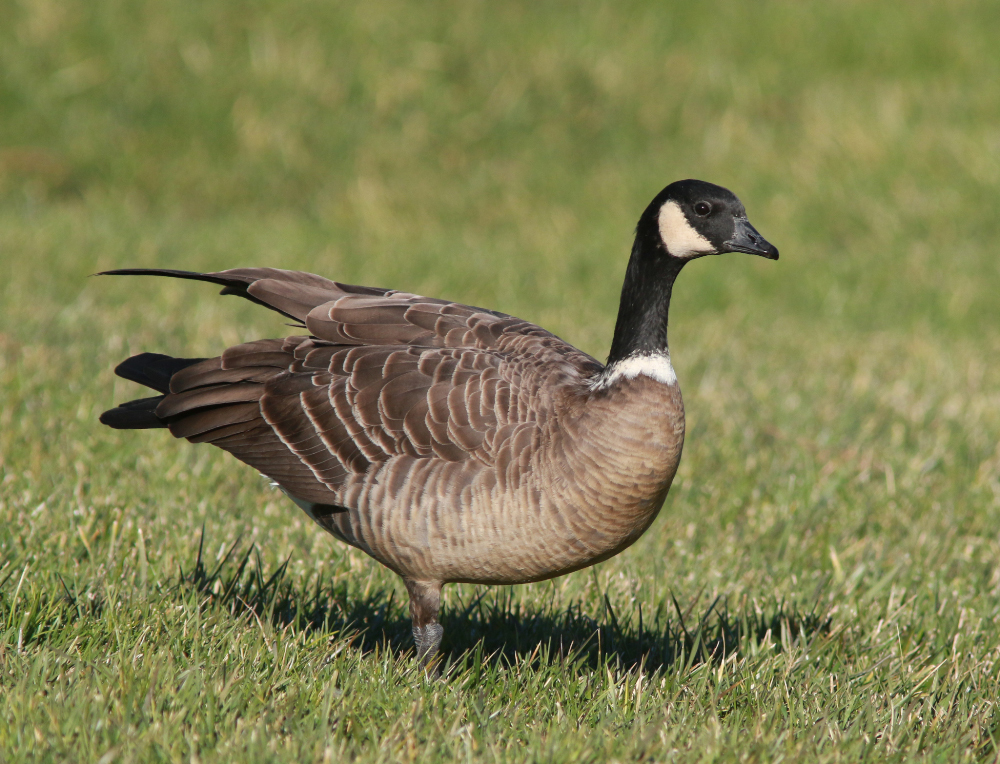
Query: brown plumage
point(451, 443)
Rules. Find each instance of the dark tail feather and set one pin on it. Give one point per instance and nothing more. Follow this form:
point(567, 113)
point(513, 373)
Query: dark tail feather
point(134, 415)
point(231, 285)
point(236, 284)
point(152, 370)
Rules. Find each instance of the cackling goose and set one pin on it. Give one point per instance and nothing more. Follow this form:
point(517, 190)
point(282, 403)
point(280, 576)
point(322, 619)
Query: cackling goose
point(453, 443)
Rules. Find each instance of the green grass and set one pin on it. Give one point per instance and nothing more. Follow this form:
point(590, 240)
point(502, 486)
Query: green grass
point(823, 582)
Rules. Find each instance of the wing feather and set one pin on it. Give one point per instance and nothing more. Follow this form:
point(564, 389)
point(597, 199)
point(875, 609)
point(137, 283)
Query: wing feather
point(385, 376)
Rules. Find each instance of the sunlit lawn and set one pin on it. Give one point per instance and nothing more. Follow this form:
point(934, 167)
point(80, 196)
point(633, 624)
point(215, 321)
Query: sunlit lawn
point(822, 583)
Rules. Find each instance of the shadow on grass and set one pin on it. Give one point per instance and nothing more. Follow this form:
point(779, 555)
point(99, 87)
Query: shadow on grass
point(498, 628)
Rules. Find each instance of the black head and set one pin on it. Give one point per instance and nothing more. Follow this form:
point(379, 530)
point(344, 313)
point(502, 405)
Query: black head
point(687, 219)
point(692, 218)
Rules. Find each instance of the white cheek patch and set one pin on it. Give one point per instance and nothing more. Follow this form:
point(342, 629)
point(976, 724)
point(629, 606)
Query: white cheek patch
point(679, 237)
point(656, 366)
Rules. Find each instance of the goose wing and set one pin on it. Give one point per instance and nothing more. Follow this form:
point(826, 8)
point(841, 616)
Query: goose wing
point(384, 375)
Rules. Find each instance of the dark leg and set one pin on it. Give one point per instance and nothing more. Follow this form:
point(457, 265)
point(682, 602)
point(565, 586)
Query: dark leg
point(425, 601)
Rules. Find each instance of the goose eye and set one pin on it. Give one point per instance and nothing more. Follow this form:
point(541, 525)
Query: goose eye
point(702, 208)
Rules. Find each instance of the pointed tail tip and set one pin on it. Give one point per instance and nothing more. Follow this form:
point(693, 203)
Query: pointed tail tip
point(134, 415)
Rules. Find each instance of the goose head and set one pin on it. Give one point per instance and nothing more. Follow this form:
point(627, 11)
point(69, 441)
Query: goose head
point(686, 220)
point(692, 218)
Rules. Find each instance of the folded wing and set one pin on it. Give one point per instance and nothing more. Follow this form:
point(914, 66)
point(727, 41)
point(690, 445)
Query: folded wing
point(384, 374)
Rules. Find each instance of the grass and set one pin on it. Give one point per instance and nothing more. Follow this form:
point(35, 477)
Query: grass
point(823, 582)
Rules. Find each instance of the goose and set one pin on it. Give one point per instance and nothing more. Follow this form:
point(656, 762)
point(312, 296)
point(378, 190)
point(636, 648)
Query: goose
point(448, 442)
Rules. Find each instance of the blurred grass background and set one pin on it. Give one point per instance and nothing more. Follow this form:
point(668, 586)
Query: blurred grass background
point(841, 478)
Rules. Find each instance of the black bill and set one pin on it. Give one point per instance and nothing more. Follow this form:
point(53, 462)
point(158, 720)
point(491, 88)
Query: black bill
point(746, 239)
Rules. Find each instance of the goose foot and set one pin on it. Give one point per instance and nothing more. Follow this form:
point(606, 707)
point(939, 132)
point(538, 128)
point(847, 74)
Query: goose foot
point(425, 602)
point(428, 639)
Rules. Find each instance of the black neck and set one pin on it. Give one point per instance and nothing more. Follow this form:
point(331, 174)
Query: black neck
point(641, 328)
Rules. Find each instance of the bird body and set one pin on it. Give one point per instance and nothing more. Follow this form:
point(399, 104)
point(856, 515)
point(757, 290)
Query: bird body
point(570, 498)
point(452, 443)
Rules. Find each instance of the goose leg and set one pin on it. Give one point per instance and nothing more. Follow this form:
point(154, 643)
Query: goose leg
point(425, 602)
